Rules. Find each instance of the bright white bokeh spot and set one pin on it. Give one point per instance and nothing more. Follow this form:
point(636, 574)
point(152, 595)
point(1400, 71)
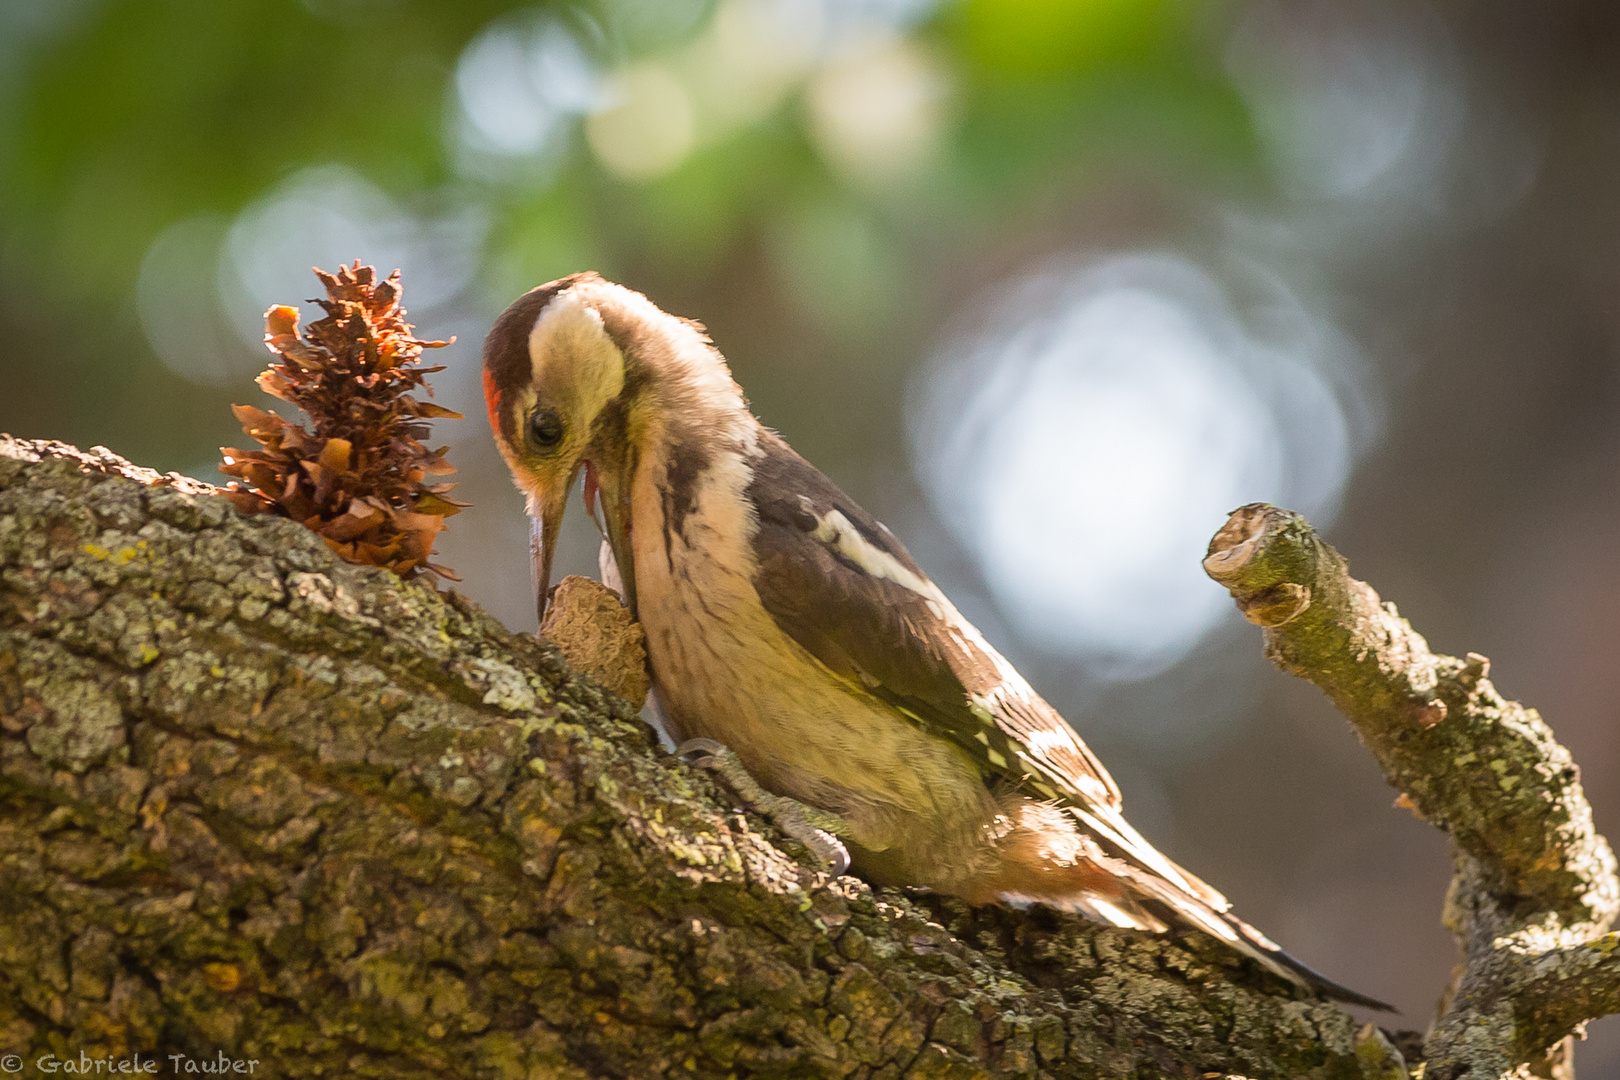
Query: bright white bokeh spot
point(748, 58)
point(877, 112)
point(520, 81)
point(1124, 437)
point(326, 217)
point(648, 127)
point(1086, 440)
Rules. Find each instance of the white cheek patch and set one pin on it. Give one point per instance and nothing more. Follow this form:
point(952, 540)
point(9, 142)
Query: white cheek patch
point(570, 349)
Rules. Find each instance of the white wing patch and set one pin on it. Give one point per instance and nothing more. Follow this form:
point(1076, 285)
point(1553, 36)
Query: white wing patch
point(835, 530)
point(1042, 741)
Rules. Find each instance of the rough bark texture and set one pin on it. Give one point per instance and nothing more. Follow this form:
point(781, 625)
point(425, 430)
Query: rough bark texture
point(1535, 885)
point(262, 802)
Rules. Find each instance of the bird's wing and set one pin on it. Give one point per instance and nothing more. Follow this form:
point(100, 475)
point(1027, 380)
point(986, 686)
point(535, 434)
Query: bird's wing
point(840, 584)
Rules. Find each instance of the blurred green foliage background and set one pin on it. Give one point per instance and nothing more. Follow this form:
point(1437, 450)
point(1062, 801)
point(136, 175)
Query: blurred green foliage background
point(122, 118)
point(1032, 279)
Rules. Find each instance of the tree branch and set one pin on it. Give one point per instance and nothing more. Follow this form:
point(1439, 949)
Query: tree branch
point(261, 802)
point(1535, 883)
point(1566, 988)
point(264, 803)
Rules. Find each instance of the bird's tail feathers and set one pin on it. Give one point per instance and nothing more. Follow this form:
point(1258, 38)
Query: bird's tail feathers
point(1109, 826)
point(1164, 896)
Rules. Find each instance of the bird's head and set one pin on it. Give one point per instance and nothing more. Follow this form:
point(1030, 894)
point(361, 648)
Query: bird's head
point(582, 375)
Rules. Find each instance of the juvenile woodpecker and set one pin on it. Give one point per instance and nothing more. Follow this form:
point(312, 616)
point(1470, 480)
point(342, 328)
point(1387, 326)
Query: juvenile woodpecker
point(787, 624)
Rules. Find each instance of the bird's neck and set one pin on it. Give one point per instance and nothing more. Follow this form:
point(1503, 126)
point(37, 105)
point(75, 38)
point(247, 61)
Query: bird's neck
point(689, 412)
point(692, 457)
point(679, 449)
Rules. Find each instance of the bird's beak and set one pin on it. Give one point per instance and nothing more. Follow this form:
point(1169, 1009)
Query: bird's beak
point(545, 523)
point(614, 523)
point(545, 519)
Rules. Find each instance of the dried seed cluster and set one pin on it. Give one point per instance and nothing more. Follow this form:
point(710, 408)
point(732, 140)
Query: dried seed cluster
point(361, 478)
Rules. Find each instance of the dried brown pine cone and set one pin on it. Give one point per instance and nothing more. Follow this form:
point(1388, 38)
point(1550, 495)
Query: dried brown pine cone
point(361, 478)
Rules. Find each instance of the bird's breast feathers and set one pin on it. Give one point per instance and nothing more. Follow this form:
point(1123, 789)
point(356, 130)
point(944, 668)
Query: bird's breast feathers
point(726, 670)
point(758, 562)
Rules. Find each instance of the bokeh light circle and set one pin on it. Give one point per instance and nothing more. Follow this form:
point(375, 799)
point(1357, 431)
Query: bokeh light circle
point(1091, 430)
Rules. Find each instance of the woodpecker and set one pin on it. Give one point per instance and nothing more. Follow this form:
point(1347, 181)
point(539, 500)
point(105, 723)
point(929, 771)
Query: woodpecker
point(791, 633)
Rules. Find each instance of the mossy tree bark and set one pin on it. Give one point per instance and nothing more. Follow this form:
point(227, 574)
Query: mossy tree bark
point(262, 803)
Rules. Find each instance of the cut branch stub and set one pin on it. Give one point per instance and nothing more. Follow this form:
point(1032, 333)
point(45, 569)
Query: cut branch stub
point(1535, 881)
point(1491, 775)
point(1269, 592)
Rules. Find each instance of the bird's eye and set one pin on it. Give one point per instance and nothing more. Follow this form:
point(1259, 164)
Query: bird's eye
point(545, 428)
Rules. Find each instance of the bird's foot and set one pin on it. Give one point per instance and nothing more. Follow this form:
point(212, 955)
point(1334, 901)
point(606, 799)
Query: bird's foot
point(815, 829)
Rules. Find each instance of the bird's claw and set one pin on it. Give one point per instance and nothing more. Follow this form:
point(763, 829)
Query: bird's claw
point(700, 752)
point(823, 845)
point(803, 823)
